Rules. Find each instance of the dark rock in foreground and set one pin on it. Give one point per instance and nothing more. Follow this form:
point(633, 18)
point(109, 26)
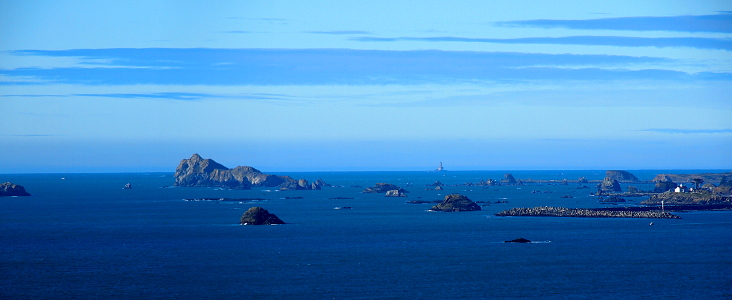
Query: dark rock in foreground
point(518, 240)
point(547, 211)
point(259, 216)
point(11, 189)
point(456, 202)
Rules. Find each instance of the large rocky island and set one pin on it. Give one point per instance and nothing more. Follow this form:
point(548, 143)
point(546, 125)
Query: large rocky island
point(8, 189)
point(197, 171)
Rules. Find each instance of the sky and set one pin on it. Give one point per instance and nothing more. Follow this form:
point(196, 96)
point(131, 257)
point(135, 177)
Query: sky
point(136, 86)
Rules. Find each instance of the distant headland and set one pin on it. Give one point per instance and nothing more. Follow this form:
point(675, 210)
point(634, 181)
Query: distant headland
point(197, 171)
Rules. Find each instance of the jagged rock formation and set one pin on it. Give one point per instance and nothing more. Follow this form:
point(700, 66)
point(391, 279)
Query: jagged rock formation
point(11, 189)
point(621, 176)
point(396, 193)
point(259, 216)
point(197, 171)
point(582, 180)
point(456, 202)
point(382, 188)
point(609, 185)
point(508, 179)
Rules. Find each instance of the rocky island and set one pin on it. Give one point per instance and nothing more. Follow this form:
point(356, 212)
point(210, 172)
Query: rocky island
point(8, 189)
point(197, 171)
point(383, 188)
point(456, 202)
point(259, 216)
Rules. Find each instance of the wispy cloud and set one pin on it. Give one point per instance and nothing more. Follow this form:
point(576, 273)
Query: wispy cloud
point(341, 32)
point(167, 95)
point(200, 66)
point(705, 23)
point(621, 41)
point(686, 131)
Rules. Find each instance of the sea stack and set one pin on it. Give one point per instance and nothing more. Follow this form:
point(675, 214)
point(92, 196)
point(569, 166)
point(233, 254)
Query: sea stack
point(456, 202)
point(259, 216)
point(10, 189)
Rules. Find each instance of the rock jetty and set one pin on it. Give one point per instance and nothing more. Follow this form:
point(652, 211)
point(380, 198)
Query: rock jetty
point(456, 202)
point(259, 216)
point(8, 189)
point(197, 171)
point(547, 211)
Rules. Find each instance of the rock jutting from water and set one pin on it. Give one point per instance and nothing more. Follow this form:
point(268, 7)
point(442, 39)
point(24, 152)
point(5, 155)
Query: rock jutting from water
point(259, 216)
point(383, 188)
point(518, 240)
point(456, 202)
point(622, 176)
point(197, 171)
point(546, 211)
point(11, 189)
point(396, 193)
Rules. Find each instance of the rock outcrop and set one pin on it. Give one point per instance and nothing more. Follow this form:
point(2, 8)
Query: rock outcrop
point(396, 193)
point(259, 216)
point(621, 176)
point(10, 189)
point(382, 188)
point(609, 185)
point(456, 202)
point(508, 179)
point(197, 171)
point(518, 240)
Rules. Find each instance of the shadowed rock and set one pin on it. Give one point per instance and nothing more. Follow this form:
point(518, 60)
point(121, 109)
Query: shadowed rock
point(259, 216)
point(11, 189)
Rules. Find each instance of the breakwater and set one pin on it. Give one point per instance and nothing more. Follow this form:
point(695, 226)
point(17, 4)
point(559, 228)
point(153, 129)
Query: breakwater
point(546, 211)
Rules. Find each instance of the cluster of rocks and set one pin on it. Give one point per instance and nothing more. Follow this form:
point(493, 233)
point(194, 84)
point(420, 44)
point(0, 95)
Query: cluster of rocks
point(197, 171)
point(8, 189)
point(547, 211)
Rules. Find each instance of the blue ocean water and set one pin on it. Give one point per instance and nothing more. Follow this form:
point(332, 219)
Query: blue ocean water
point(81, 236)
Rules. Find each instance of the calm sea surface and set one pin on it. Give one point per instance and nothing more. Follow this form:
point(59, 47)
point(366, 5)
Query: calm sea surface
point(81, 236)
